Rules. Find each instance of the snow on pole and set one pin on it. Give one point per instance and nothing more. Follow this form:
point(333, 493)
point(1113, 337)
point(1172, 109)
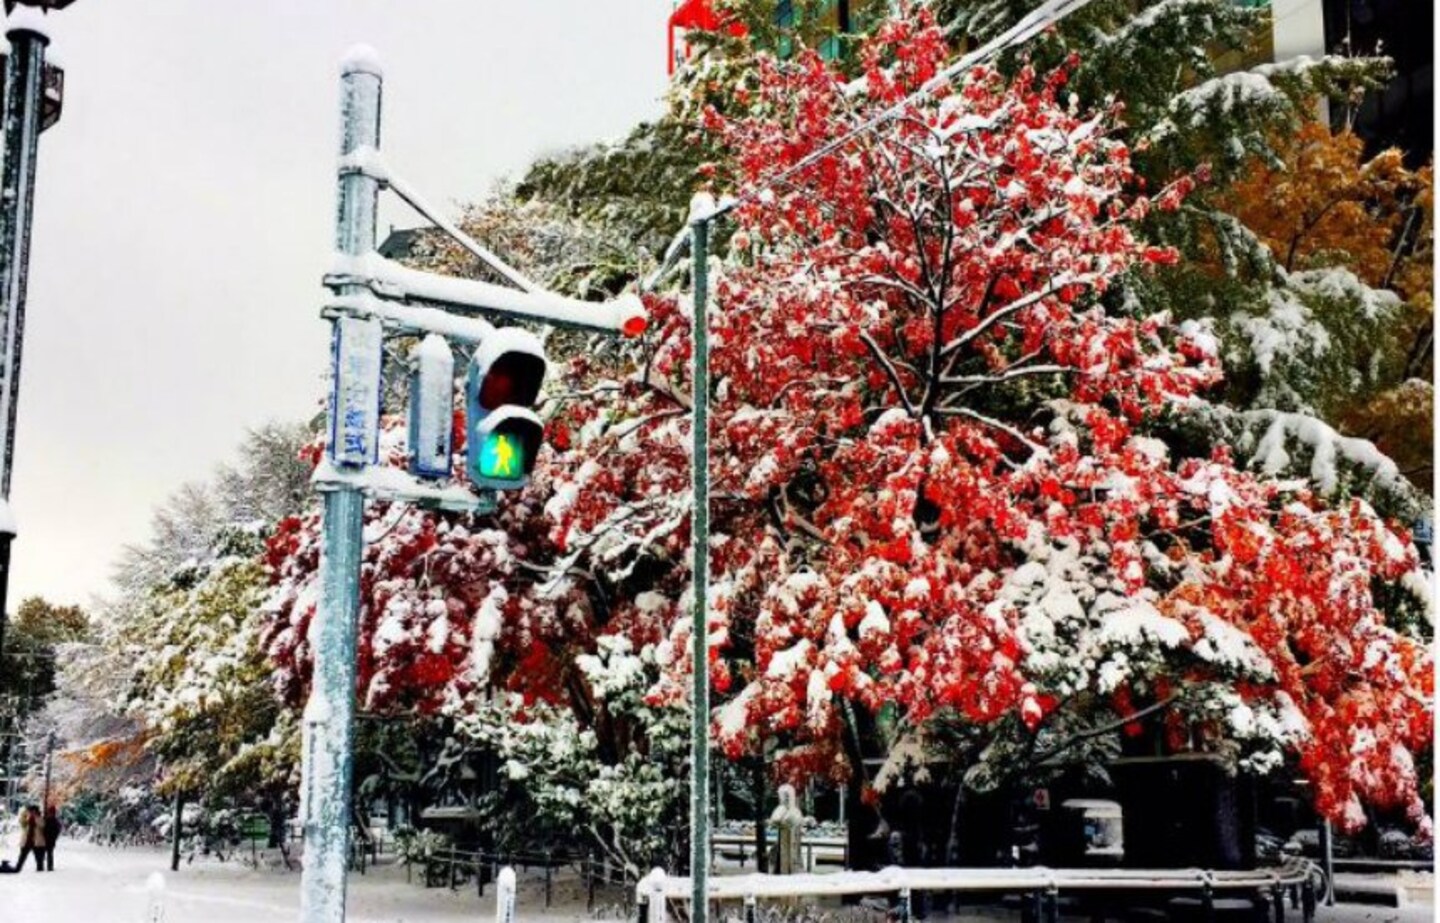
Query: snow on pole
point(700, 575)
point(155, 898)
point(505, 896)
point(432, 408)
point(361, 59)
point(28, 19)
point(354, 418)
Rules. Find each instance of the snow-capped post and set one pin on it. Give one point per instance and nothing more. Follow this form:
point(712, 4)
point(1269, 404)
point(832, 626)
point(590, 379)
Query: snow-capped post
point(354, 408)
point(155, 898)
point(650, 897)
point(505, 896)
point(788, 821)
point(700, 570)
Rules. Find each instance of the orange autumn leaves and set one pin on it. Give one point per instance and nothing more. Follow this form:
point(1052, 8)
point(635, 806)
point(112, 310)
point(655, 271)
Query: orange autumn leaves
point(1331, 206)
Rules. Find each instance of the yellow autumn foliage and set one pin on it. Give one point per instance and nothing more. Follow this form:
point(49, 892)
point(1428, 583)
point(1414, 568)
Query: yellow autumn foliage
point(1330, 206)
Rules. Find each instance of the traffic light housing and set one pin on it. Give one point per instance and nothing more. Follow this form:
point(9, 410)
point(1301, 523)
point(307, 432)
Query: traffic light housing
point(503, 435)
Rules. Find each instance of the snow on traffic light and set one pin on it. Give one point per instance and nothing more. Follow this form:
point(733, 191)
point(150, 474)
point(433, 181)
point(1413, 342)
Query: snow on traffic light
point(503, 434)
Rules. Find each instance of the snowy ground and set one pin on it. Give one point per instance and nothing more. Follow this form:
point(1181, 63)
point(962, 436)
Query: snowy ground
point(94, 884)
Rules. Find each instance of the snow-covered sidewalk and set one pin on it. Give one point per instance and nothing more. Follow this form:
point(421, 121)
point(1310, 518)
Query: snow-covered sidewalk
point(95, 884)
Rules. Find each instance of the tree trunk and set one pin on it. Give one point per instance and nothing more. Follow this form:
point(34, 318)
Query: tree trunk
point(757, 784)
point(952, 841)
point(175, 832)
point(275, 815)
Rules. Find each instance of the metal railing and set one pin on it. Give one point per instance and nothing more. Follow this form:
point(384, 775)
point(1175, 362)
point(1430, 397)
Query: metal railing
point(455, 868)
point(815, 850)
point(1039, 887)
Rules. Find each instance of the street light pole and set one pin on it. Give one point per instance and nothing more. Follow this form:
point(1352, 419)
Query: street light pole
point(329, 714)
point(24, 86)
point(49, 761)
point(700, 580)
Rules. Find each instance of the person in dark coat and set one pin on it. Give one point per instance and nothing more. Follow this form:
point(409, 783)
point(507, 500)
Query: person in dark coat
point(51, 829)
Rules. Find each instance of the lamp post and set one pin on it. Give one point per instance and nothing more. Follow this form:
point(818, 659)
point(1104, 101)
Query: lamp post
point(700, 579)
point(32, 98)
point(49, 762)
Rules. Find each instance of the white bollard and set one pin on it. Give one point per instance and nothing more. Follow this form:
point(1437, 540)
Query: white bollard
point(649, 890)
point(505, 896)
point(155, 902)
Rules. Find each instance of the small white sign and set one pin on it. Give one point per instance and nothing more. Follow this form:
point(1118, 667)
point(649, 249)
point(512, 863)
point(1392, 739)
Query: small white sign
point(355, 399)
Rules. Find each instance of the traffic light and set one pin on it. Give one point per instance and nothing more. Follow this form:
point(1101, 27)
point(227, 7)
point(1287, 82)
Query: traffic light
point(503, 434)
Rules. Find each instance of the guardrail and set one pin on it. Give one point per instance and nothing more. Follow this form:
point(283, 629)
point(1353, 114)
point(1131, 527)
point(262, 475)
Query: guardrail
point(1366, 864)
point(1042, 886)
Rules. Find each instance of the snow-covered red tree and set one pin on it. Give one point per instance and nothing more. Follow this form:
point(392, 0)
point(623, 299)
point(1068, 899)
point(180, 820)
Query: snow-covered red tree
point(934, 490)
point(934, 495)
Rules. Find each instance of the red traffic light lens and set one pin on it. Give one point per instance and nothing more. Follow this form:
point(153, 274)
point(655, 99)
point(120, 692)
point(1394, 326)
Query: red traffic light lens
point(514, 378)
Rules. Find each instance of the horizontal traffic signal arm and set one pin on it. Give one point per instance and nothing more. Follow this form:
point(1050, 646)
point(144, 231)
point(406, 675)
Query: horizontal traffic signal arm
point(409, 319)
point(393, 282)
point(527, 301)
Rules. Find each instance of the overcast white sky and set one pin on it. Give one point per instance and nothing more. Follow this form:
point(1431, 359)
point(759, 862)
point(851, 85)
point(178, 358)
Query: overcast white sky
point(184, 215)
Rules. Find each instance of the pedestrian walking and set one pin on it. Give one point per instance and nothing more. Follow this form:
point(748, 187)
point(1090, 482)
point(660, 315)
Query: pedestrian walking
point(51, 829)
point(32, 837)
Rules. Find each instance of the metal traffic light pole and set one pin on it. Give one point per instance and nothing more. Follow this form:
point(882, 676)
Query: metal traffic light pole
point(354, 402)
point(374, 298)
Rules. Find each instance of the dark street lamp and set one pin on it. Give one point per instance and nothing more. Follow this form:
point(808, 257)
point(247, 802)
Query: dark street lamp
point(33, 92)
